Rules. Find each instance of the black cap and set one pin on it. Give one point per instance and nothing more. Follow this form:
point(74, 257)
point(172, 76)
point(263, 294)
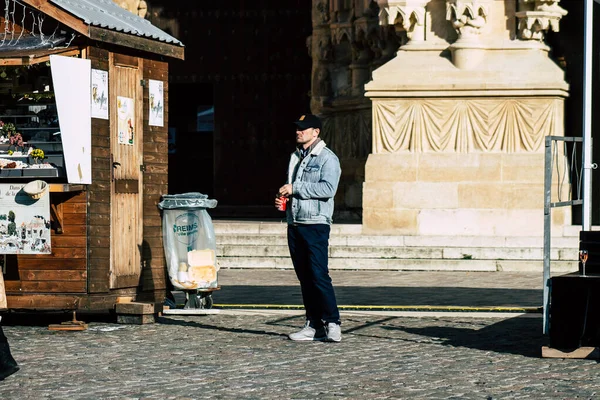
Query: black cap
point(308, 121)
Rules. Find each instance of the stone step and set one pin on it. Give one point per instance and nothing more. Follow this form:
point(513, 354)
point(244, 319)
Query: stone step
point(280, 226)
point(401, 252)
point(404, 241)
point(252, 244)
point(404, 264)
point(274, 228)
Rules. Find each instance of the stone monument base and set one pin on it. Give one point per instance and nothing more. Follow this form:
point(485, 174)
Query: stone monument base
point(475, 194)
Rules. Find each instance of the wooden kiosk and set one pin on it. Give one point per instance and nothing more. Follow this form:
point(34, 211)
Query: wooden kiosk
point(106, 235)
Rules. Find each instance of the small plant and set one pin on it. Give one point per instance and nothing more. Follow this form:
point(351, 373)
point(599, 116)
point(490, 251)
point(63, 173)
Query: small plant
point(37, 154)
point(8, 129)
point(16, 140)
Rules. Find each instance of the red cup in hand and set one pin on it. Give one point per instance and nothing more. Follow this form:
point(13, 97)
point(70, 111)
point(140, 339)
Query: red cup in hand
point(283, 205)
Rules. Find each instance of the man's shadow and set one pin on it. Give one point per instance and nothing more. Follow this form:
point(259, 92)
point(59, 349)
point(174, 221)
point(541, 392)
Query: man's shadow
point(176, 322)
point(520, 335)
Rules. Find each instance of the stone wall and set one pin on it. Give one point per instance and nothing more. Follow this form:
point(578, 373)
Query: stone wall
point(451, 194)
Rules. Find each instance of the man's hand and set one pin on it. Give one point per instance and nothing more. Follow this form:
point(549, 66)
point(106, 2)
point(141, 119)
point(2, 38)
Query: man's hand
point(285, 190)
point(278, 201)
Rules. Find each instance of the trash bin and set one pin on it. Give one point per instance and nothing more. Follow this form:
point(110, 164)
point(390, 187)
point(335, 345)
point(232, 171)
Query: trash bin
point(190, 246)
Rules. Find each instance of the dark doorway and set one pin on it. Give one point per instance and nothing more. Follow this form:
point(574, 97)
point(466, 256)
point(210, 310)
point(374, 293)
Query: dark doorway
point(191, 131)
point(249, 60)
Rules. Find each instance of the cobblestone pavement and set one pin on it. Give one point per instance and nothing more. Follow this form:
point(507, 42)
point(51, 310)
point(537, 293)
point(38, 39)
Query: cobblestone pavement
point(249, 357)
point(245, 354)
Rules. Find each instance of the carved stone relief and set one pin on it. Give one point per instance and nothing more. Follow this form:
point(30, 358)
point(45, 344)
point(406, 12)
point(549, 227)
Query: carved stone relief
point(322, 82)
point(467, 17)
point(536, 17)
point(325, 53)
point(346, 45)
point(388, 43)
point(475, 125)
point(348, 133)
point(320, 13)
point(321, 51)
point(408, 16)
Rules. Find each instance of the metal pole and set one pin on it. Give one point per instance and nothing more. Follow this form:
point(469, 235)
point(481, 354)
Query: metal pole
point(587, 117)
point(547, 234)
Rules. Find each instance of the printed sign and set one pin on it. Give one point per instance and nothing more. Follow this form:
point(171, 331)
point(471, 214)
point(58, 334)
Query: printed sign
point(24, 222)
point(99, 94)
point(156, 115)
point(185, 228)
point(125, 110)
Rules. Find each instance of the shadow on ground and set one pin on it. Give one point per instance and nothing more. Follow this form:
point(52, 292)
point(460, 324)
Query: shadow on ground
point(45, 318)
point(519, 335)
point(380, 296)
point(194, 324)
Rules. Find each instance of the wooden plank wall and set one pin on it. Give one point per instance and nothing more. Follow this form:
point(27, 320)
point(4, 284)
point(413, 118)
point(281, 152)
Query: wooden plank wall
point(76, 274)
point(155, 184)
point(99, 192)
point(35, 281)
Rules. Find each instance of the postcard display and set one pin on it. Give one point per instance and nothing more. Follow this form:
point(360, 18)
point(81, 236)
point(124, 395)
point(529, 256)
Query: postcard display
point(30, 148)
point(189, 241)
point(24, 221)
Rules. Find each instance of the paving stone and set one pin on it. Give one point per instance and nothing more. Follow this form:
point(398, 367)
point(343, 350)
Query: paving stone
point(247, 355)
point(250, 357)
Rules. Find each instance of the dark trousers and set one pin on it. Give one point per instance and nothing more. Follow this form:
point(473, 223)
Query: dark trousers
point(8, 365)
point(308, 246)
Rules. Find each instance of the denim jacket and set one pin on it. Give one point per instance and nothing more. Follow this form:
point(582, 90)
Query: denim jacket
point(314, 183)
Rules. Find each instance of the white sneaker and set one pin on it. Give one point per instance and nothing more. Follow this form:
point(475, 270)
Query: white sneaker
point(308, 334)
point(334, 332)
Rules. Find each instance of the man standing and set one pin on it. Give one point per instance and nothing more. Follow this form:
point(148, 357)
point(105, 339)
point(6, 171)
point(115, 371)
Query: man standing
point(313, 176)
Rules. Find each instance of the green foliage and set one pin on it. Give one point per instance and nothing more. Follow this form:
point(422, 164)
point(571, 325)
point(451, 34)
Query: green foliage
point(8, 129)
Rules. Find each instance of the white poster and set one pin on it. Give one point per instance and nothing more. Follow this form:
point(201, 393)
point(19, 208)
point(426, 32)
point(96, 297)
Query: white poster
point(156, 115)
point(99, 94)
point(125, 124)
point(72, 78)
point(24, 222)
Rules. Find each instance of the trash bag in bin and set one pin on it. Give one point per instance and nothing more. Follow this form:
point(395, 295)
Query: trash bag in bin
point(189, 240)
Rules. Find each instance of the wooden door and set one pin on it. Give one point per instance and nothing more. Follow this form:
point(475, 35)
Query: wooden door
point(126, 100)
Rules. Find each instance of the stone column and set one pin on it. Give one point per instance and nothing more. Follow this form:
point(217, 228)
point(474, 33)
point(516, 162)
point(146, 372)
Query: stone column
point(459, 120)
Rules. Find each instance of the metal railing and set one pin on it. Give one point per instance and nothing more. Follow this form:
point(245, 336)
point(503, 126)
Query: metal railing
point(568, 172)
